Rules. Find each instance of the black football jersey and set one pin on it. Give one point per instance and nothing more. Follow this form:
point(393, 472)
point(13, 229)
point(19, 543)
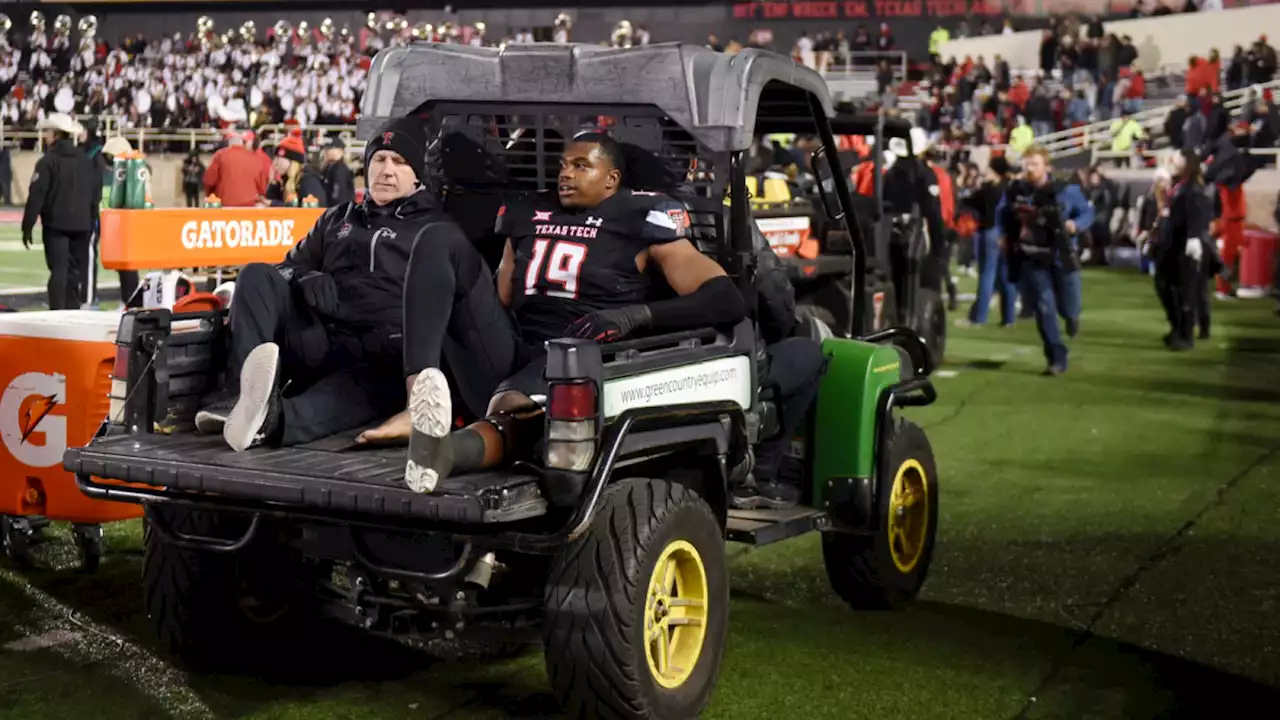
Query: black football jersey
point(570, 263)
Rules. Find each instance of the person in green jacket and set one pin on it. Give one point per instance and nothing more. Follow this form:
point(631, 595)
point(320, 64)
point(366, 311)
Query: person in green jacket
point(1124, 131)
point(1021, 137)
point(105, 161)
point(937, 39)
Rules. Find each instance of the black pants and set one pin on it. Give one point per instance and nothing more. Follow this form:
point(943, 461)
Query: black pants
point(339, 378)
point(66, 254)
point(795, 372)
point(454, 320)
point(1182, 290)
point(128, 278)
point(193, 196)
point(1203, 288)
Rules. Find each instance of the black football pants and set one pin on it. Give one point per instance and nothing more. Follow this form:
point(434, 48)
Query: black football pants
point(453, 320)
point(339, 378)
point(796, 366)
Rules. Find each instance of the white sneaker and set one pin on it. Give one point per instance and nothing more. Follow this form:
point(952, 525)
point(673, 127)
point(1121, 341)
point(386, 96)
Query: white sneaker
point(430, 454)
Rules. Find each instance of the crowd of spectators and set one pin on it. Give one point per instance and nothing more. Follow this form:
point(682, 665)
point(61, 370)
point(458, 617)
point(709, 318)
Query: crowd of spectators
point(1085, 75)
point(205, 79)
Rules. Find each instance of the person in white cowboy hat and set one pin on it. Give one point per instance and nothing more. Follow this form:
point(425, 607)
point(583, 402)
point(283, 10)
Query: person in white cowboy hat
point(64, 195)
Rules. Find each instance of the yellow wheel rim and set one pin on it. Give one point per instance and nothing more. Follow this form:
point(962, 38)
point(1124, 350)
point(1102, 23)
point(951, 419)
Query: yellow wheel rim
point(908, 515)
point(675, 614)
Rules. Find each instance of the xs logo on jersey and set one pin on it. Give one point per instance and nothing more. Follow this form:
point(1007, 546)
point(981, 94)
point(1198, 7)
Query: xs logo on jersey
point(33, 435)
point(541, 215)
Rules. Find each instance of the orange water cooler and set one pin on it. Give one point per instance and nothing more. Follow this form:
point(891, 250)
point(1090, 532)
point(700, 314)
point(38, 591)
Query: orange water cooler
point(55, 371)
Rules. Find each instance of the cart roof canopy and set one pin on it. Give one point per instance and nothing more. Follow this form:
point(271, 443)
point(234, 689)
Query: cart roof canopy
point(717, 98)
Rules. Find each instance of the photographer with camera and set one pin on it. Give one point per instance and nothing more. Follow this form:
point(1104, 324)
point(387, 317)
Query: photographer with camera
point(1040, 219)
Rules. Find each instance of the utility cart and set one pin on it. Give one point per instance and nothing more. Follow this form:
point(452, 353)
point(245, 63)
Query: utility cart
point(612, 551)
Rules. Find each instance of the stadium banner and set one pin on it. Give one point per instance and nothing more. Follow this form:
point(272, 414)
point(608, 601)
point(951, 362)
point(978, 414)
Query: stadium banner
point(890, 9)
point(172, 239)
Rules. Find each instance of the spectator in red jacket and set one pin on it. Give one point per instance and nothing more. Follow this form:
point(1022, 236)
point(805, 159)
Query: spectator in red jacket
point(236, 174)
point(1019, 94)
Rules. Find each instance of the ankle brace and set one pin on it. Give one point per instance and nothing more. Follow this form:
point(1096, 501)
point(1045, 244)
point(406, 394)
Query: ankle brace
point(520, 431)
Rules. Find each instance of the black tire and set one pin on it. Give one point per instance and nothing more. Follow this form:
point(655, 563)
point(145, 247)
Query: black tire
point(194, 600)
point(933, 324)
point(862, 568)
point(17, 538)
point(89, 541)
point(596, 611)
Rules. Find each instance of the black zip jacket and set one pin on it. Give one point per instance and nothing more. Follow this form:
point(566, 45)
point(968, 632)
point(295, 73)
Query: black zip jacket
point(65, 192)
point(910, 184)
point(1190, 211)
point(1227, 166)
point(365, 248)
point(339, 183)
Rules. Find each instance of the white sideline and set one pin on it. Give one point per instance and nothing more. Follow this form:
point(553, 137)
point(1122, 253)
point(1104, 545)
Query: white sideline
point(83, 641)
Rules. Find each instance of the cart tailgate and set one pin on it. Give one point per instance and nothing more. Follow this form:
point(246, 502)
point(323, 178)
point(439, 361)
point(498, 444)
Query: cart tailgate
point(359, 481)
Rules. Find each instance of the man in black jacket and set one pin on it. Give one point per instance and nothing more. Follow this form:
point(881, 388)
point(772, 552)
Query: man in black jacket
point(1174, 121)
point(316, 341)
point(65, 192)
point(339, 182)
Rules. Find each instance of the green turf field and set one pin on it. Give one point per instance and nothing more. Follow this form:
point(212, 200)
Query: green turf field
point(1107, 549)
point(20, 267)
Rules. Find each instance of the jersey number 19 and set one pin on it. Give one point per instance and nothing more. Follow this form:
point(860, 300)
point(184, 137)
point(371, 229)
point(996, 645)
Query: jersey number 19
point(563, 269)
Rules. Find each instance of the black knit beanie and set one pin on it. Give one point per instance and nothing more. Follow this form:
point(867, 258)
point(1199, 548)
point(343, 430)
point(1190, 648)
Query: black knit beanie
point(407, 137)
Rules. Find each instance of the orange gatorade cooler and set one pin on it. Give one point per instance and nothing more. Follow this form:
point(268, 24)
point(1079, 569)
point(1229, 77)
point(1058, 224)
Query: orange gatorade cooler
point(55, 371)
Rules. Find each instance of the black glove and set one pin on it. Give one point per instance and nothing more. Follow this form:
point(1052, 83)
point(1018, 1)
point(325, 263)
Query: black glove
point(26, 239)
point(610, 325)
point(319, 292)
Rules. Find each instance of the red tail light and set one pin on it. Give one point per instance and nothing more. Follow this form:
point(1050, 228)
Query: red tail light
point(572, 401)
point(120, 369)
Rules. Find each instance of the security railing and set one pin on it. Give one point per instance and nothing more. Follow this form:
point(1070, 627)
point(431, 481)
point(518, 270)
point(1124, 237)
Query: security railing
point(1099, 155)
point(1084, 138)
point(854, 75)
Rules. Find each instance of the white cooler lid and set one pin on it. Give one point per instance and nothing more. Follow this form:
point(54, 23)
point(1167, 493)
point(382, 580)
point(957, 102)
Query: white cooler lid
point(74, 325)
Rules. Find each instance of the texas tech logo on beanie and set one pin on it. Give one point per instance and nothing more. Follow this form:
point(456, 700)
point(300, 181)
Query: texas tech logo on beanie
point(405, 136)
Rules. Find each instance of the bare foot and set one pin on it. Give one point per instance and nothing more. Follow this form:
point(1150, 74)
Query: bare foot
point(396, 430)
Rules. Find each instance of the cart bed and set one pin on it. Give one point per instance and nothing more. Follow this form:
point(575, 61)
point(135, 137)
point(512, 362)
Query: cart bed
point(358, 481)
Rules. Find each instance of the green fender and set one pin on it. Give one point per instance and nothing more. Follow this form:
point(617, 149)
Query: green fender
point(843, 447)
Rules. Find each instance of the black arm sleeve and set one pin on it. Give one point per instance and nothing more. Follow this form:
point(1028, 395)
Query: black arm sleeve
point(717, 303)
